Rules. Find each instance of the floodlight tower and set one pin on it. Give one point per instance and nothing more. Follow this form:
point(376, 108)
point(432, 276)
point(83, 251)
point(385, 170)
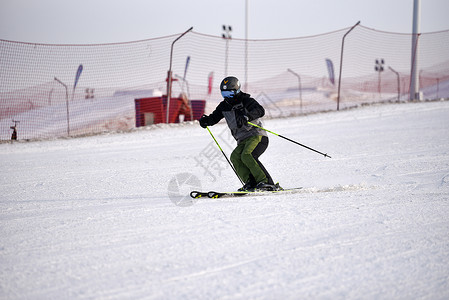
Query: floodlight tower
point(414, 78)
point(227, 36)
point(379, 67)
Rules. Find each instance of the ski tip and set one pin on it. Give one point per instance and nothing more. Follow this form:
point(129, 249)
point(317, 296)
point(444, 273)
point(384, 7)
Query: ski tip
point(196, 194)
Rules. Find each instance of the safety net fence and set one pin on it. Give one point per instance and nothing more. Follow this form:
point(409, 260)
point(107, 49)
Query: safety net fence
point(49, 90)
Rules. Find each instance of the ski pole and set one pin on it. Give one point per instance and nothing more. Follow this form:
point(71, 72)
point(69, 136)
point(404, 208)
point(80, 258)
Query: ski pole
point(225, 155)
point(325, 154)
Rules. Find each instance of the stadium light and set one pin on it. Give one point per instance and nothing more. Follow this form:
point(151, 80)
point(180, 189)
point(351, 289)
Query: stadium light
point(227, 36)
point(379, 67)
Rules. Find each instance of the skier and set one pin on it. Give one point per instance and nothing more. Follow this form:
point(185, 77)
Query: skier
point(238, 108)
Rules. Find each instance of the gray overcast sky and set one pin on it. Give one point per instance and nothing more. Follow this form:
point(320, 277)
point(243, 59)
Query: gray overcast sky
point(104, 21)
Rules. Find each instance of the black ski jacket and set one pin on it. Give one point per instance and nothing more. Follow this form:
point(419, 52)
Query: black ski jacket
point(251, 108)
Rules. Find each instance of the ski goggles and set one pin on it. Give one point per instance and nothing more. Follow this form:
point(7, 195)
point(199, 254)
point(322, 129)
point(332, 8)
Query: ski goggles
point(229, 94)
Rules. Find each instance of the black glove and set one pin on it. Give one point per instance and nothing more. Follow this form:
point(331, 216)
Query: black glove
point(241, 118)
point(204, 121)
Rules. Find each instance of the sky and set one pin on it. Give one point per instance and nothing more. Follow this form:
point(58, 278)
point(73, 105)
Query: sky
point(109, 21)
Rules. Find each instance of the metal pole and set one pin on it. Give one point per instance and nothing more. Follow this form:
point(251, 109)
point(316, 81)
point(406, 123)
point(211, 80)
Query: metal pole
point(341, 63)
point(67, 104)
point(227, 36)
point(399, 82)
point(226, 63)
point(188, 95)
point(300, 87)
point(225, 156)
point(414, 80)
point(169, 75)
point(290, 140)
point(438, 87)
point(246, 45)
point(379, 67)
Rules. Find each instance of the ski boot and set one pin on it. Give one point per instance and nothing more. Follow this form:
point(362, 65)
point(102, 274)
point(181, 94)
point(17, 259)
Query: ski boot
point(263, 186)
point(277, 187)
point(247, 187)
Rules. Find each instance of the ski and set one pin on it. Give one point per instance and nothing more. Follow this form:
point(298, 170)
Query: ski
point(214, 195)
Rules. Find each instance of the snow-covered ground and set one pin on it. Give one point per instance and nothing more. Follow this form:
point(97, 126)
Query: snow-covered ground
point(95, 217)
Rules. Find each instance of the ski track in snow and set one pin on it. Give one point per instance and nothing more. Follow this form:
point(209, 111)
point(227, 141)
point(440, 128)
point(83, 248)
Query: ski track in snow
point(91, 218)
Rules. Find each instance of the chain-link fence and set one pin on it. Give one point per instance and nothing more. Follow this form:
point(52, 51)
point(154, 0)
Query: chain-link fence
point(288, 76)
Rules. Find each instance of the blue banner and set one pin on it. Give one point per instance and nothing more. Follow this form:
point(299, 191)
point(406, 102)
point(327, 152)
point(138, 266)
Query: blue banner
point(78, 74)
point(330, 69)
point(187, 65)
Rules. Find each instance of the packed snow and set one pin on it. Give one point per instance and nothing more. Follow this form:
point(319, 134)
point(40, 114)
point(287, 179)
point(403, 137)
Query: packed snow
point(109, 216)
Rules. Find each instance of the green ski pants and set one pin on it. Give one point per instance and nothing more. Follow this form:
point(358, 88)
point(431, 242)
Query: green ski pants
point(245, 160)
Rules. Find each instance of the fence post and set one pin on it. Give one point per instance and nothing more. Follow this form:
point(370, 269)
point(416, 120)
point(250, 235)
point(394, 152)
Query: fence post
point(399, 82)
point(300, 87)
point(341, 63)
point(67, 104)
point(169, 76)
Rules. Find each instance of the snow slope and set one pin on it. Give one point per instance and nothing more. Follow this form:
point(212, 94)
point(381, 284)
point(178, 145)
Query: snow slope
point(95, 217)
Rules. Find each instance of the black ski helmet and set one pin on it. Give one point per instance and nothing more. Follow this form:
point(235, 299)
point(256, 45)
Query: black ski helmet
point(230, 83)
